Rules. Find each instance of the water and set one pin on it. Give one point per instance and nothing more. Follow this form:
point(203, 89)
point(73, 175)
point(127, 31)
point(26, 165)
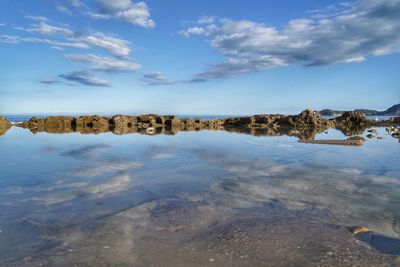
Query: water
point(208, 198)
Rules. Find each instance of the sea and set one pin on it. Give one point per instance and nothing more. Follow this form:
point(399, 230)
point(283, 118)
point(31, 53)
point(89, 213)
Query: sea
point(197, 198)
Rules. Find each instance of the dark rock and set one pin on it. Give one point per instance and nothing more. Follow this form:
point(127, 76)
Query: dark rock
point(370, 136)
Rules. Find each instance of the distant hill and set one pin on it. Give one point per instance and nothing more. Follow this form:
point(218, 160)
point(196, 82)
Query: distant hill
point(392, 111)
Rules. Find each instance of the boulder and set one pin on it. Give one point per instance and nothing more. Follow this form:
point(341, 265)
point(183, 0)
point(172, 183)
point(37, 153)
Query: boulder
point(267, 119)
point(351, 118)
point(147, 119)
point(92, 124)
point(123, 121)
point(170, 120)
point(239, 120)
point(307, 118)
point(59, 124)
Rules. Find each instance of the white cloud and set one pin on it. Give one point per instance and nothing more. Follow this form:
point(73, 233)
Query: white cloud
point(156, 78)
point(63, 9)
point(115, 46)
point(84, 78)
point(106, 64)
point(199, 31)
point(44, 28)
point(206, 20)
point(97, 16)
point(361, 30)
point(59, 37)
point(75, 3)
point(114, 5)
point(192, 31)
point(126, 10)
point(14, 39)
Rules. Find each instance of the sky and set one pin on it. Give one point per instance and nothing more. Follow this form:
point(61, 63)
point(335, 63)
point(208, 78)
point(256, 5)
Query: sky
point(226, 57)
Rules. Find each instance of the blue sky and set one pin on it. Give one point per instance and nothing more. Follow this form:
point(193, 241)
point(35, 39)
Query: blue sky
point(197, 57)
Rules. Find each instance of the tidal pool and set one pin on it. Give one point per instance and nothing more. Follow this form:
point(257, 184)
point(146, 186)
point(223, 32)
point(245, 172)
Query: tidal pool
point(208, 198)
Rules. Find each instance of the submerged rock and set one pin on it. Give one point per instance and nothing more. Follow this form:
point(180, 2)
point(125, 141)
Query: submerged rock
point(358, 229)
point(357, 137)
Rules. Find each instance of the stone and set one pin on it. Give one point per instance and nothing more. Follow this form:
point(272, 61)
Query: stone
point(371, 136)
point(351, 118)
point(358, 229)
point(92, 124)
point(357, 137)
point(123, 121)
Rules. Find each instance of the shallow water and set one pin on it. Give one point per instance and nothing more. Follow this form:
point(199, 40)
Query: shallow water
point(196, 199)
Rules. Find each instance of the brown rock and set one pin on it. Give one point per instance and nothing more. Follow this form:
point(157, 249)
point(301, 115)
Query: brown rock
point(92, 124)
point(358, 229)
point(307, 118)
point(4, 125)
point(351, 118)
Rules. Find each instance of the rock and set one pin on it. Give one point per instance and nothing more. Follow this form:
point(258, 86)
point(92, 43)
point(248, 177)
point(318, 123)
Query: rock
point(151, 130)
point(147, 119)
point(307, 118)
point(357, 137)
point(92, 124)
point(370, 136)
point(358, 229)
point(59, 124)
point(239, 120)
point(380, 137)
point(4, 125)
point(372, 131)
point(122, 121)
point(171, 121)
point(351, 118)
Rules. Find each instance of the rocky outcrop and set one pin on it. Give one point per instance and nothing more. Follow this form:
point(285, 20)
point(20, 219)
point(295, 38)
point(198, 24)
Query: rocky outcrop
point(51, 124)
point(351, 118)
point(304, 125)
point(4, 125)
point(92, 124)
point(307, 118)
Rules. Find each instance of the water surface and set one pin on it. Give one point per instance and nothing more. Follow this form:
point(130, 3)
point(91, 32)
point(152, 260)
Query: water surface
point(196, 199)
